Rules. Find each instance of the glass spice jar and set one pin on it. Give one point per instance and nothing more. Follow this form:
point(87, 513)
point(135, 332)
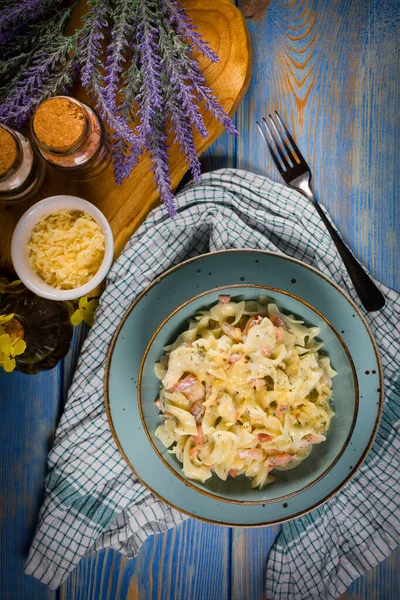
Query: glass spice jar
point(71, 137)
point(43, 324)
point(21, 169)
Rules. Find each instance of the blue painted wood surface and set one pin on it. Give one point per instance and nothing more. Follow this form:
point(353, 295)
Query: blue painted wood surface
point(331, 67)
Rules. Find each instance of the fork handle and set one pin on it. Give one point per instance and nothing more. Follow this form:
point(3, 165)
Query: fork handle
point(371, 297)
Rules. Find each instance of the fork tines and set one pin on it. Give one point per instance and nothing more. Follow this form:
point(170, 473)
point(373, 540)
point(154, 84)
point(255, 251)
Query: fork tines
point(280, 137)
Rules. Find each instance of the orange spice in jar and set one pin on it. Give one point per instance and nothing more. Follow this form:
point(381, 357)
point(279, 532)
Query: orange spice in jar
point(21, 169)
point(71, 137)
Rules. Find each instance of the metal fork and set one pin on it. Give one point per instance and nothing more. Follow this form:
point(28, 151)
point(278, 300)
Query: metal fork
point(297, 175)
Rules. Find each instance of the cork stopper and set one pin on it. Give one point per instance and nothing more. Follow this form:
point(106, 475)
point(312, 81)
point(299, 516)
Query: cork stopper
point(8, 151)
point(14, 329)
point(59, 124)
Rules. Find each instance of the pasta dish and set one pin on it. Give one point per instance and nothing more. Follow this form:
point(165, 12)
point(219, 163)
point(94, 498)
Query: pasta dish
point(245, 390)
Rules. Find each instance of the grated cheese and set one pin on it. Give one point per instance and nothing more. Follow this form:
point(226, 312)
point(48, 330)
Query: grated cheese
point(66, 248)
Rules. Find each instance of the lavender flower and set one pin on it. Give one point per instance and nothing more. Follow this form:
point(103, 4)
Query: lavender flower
point(15, 18)
point(121, 128)
point(115, 55)
point(38, 36)
point(151, 77)
point(132, 81)
point(184, 26)
point(184, 136)
point(174, 63)
point(124, 157)
point(90, 39)
point(149, 96)
point(205, 94)
point(39, 81)
point(158, 152)
point(121, 151)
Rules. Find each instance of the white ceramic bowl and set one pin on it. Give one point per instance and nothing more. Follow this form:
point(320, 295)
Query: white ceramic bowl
point(21, 236)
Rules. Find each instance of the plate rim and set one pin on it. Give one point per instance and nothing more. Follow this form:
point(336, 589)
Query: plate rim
point(180, 265)
point(188, 482)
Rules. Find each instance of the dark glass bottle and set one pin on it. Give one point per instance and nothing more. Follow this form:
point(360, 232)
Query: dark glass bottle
point(45, 327)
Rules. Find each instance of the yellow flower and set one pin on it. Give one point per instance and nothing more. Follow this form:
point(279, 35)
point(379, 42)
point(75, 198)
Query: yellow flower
point(9, 348)
point(85, 312)
point(5, 319)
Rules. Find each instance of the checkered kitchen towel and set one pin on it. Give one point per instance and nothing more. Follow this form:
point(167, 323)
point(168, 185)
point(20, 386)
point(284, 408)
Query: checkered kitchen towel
point(92, 498)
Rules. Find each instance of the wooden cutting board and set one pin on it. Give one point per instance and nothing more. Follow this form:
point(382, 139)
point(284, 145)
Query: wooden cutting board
point(126, 205)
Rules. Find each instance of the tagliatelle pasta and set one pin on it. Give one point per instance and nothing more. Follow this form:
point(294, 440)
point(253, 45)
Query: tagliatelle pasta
point(66, 248)
point(245, 390)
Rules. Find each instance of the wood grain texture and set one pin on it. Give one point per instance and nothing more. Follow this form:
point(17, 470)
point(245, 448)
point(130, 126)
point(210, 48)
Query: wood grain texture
point(331, 69)
point(29, 408)
point(126, 206)
point(250, 549)
point(191, 561)
point(381, 583)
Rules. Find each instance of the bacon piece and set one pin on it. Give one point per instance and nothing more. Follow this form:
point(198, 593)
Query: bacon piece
point(254, 320)
point(184, 384)
point(224, 298)
point(266, 352)
point(193, 452)
point(234, 358)
point(310, 439)
point(280, 459)
point(197, 410)
point(264, 437)
point(254, 453)
point(199, 438)
point(280, 335)
point(278, 321)
point(232, 472)
point(196, 393)
point(190, 387)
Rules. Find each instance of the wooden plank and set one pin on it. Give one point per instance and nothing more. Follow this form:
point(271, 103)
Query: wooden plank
point(28, 414)
point(221, 155)
point(71, 360)
point(190, 561)
point(331, 69)
point(127, 205)
point(250, 548)
point(30, 407)
point(381, 583)
point(331, 95)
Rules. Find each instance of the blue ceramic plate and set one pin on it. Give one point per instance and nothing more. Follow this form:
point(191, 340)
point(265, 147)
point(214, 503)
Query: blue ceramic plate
point(322, 457)
point(182, 283)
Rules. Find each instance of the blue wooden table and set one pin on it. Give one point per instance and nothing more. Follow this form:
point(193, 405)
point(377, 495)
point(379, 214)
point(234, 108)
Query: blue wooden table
point(331, 68)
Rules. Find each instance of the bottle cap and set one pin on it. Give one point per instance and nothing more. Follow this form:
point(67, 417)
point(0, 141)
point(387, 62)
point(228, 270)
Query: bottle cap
point(60, 124)
point(8, 151)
